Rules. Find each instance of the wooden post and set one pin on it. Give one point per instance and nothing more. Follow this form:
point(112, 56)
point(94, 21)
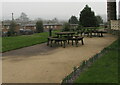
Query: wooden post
point(50, 31)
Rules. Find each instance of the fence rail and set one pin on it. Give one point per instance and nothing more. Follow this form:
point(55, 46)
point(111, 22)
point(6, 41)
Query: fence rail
point(84, 65)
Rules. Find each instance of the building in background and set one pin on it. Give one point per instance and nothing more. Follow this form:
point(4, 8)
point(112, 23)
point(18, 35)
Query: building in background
point(119, 10)
point(6, 27)
point(115, 24)
point(31, 27)
point(111, 10)
point(52, 26)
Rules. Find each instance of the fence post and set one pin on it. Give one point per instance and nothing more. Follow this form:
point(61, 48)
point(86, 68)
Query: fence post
point(50, 31)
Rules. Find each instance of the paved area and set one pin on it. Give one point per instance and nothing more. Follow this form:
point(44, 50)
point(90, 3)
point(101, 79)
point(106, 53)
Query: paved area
point(43, 64)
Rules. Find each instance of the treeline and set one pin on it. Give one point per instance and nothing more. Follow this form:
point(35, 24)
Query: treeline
point(87, 18)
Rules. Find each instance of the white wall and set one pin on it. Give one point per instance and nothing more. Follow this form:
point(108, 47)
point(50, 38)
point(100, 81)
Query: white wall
point(115, 24)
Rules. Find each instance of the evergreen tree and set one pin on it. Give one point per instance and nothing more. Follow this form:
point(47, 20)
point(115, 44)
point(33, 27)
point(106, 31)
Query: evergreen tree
point(11, 31)
point(39, 26)
point(88, 18)
point(99, 19)
point(73, 20)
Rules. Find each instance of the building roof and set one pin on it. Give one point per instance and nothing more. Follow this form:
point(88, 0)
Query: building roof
point(52, 24)
point(8, 23)
point(30, 25)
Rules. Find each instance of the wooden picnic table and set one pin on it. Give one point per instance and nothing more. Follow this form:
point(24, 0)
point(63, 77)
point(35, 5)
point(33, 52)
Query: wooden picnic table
point(64, 37)
point(91, 31)
point(60, 34)
point(65, 34)
point(99, 33)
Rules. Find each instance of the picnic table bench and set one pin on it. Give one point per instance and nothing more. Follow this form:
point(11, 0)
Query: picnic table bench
point(77, 39)
point(91, 32)
point(64, 37)
point(56, 39)
point(98, 33)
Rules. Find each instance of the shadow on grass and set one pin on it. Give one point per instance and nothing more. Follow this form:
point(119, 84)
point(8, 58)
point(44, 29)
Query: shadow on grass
point(20, 54)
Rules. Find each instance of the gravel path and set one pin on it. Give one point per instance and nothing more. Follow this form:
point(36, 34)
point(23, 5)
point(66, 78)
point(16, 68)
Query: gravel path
point(43, 64)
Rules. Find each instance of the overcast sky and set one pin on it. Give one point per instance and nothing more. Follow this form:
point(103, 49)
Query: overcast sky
point(50, 10)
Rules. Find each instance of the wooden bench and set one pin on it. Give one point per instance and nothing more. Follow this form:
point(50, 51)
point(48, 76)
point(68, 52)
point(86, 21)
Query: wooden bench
point(98, 33)
point(77, 39)
point(51, 39)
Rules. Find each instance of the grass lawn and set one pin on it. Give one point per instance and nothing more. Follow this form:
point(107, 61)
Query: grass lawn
point(104, 70)
point(100, 27)
point(11, 43)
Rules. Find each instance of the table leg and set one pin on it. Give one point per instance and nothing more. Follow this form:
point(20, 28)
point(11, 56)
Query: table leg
point(82, 41)
point(101, 34)
point(48, 42)
point(64, 43)
point(72, 42)
point(51, 43)
point(76, 42)
point(90, 34)
point(61, 43)
point(68, 41)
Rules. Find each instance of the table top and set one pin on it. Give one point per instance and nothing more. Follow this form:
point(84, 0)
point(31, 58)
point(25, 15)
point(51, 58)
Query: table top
point(64, 33)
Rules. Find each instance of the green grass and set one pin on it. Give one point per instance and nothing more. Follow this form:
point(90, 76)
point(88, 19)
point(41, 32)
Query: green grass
point(100, 27)
point(12, 43)
point(104, 70)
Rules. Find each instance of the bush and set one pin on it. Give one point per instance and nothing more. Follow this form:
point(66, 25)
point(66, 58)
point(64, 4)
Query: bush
point(66, 27)
point(11, 31)
point(39, 26)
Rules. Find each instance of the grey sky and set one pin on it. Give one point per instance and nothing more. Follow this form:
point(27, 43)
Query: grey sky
point(49, 10)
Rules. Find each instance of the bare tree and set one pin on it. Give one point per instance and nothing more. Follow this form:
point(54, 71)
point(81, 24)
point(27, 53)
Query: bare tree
point(23, 19)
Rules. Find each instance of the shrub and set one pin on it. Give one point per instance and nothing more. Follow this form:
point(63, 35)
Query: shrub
point(39, 26)
point(66, 27)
